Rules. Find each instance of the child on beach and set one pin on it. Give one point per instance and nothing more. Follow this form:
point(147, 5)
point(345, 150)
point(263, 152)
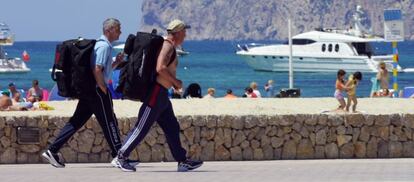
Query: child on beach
point(269, 89)
point(352, 83)
point(339, 89)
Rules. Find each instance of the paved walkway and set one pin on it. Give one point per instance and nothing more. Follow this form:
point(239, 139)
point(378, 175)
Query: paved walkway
point(260, 171)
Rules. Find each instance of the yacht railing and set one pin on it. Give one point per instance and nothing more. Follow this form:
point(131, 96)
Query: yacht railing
point(246, 47)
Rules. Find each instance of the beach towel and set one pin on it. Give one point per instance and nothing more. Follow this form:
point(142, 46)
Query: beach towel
point(375, 85)
point(45, 106)
point(408, 92)
point(45, 95)
point(53, 94)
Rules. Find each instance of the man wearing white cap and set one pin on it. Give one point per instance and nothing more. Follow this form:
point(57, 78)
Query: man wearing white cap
point(158, 107)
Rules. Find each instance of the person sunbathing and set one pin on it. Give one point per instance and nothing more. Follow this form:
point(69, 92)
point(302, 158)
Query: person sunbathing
point(6, 104)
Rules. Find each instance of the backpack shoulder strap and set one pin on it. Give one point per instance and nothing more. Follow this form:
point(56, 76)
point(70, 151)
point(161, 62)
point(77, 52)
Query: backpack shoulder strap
point(174, 55)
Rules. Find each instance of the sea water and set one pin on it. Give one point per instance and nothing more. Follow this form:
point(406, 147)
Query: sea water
point(214, 64)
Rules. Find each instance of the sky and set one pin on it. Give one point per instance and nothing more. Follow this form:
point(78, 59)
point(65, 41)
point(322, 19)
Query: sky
point(57, 20)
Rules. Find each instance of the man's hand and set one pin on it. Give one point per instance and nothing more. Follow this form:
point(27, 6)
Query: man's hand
point(178, 84)
point(99, 77)
point(118, 59)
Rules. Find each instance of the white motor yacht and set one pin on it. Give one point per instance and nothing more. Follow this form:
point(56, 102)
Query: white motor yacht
point(323, 50)
point(9, 65)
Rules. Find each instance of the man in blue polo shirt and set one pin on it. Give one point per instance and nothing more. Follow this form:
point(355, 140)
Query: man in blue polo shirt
point(100, 104)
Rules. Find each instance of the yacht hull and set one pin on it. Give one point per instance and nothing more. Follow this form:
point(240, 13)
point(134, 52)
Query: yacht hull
point(312, 64)
point(14, 70)
point(13, 66)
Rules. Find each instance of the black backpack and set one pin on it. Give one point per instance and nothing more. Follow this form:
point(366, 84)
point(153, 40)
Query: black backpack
point(72, 70)
point(139, 72)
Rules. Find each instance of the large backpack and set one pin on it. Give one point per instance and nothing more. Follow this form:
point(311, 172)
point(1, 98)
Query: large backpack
point(72, 69)
point(139, 72)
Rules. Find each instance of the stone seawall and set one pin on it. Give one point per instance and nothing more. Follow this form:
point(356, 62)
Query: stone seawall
point(227, 137)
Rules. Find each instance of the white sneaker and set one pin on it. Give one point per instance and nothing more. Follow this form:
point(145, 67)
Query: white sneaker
point(54, 159)
point(115, 162)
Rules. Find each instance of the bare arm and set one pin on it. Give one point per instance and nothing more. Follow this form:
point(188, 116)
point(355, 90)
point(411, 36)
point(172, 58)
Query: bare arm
point(344, 86)
point(379, 75)
point(99, 77)
point(40, 95)
point(348, 85)
point(162, 62)
point(30, 93)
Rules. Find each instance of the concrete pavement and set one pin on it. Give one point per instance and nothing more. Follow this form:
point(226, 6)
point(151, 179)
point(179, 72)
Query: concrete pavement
point(286, 170)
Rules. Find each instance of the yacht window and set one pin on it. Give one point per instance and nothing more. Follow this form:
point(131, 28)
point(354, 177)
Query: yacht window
point(253, 56)
point(323, 47)
point(265, 57)
point(330, 47)
point(273, 57)
point(280, 57)
point(302, 41)
point(336, 48)
point(363, 48)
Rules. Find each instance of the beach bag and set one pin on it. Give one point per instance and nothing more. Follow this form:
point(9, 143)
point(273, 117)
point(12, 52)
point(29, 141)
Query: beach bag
point(72, 69)
point(139, 72)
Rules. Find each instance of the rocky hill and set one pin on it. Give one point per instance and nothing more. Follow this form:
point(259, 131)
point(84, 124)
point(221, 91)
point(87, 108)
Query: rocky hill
point(267, 19)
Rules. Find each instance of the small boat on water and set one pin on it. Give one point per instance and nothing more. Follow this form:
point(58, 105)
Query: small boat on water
point(321, 50)
point(181, 52)
point(9, 65)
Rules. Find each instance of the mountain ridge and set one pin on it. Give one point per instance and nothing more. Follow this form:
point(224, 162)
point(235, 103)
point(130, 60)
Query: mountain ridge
point(267, 19)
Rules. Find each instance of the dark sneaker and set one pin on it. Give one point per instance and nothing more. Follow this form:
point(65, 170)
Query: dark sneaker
point(188, 165)
point(115, 163)
point(124, 165)
point(54, 158)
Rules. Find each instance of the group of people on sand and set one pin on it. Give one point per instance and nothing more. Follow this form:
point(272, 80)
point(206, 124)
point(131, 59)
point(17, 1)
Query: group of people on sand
point(249, 92)
point(194, 91)
point(211, 94)
point(349, 86)
point(13, 99)
point(253, 91)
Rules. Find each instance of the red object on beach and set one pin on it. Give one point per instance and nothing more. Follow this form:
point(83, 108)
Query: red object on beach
point(26, 56)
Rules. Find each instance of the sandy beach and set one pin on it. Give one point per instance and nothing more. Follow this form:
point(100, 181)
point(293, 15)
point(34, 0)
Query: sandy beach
point(126, 108)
